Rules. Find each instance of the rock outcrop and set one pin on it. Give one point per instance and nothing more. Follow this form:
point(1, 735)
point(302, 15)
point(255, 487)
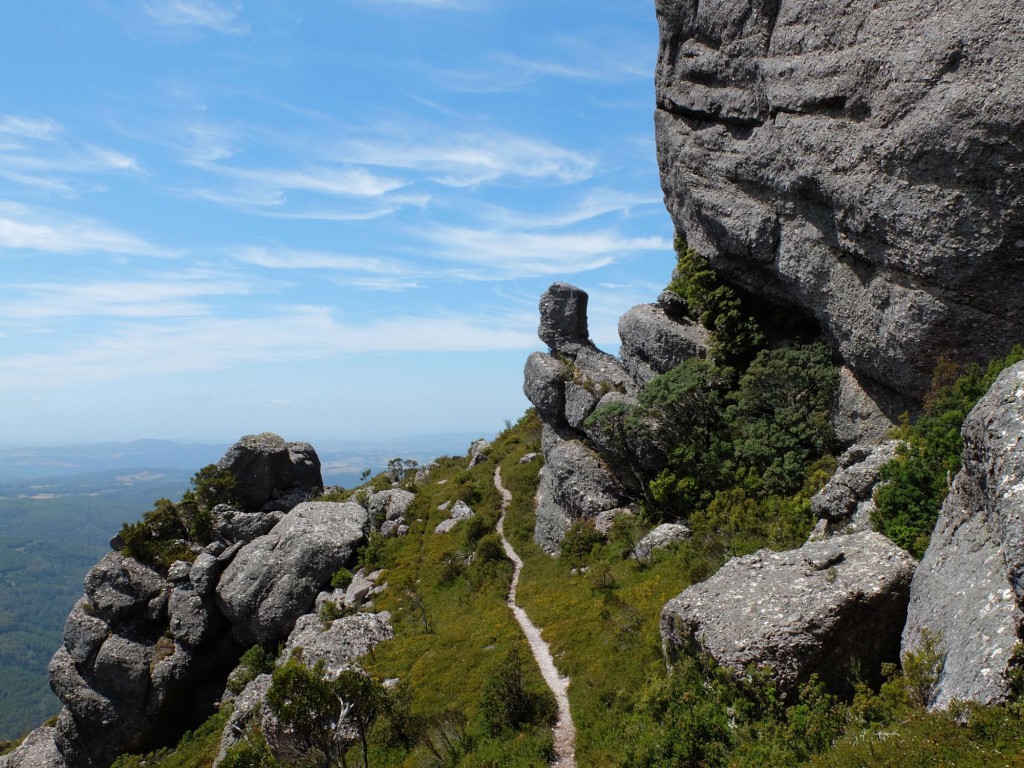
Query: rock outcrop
point(267, 469)
point(142, 646)
point(275, 579)
point(819, 609)
point(969, 589)
point(654, 342)
point(460, 511)
point(862, 161)
point(661, 537)
point(845, 504)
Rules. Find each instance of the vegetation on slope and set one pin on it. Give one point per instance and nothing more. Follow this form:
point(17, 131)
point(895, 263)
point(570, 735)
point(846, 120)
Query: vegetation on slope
point(918, 479)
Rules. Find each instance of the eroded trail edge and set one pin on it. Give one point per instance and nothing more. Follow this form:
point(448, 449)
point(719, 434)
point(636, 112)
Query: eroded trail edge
point(564, 731)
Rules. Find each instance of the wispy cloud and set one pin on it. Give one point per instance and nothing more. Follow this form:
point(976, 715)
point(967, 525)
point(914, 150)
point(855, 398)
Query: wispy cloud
point(292, 334)
point(594, 203)
point(39, 128)
point(44, 157)
point(218, 17)
point(287, 258)
point(470, 159)
point(495, 254)
point(30, 229)
point(162, 296)
point(441, 4)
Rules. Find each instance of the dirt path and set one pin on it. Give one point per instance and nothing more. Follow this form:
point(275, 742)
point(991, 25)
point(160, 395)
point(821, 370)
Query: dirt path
point(565, 731)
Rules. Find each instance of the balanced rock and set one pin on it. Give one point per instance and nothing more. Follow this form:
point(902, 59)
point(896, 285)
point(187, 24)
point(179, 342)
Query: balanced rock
point(826, 608)
point(265, 467)
point(275, 579)
point(563, 316)
point(969, 589)
point(863, 161)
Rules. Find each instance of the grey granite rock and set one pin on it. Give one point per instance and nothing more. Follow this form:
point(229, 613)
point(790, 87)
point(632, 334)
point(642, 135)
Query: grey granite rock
point(575, 485)
point(563, 316)
point(274, 579)
point(860, 160)
point(84, 633)
point(237, 525)
point(859, 416)
point(579, 403)
point(191, 616)
point(823, 608)
point(119, 587)
point(478, 452)
point(265, 465)
point(653, 342)
point(661, 537)
point(460, 511)
point(204, 574)
point(388, 505)
point(38, 750)
point(968, 589)
point(845, 504)
point(544, 380)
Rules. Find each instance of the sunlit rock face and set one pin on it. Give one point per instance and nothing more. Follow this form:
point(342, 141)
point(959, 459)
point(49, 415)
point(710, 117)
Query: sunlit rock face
point(861, 160)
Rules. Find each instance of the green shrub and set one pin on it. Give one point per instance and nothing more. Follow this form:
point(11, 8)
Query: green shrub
point(256, 661)
point(341, 578)
point(917, 480)
point(579, 541)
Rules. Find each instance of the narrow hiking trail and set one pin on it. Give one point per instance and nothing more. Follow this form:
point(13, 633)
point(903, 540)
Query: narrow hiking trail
point(565, 731)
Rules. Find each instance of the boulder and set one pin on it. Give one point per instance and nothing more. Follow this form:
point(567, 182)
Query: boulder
point(969, 588)
point(575, 485)
point(38, 750)
point(544, 380)
point(580, 402)
point(827, 608)
point(388, 505)
point(478, 452)
point(237, 525)
point(274, 579)
point(862, 161)
point(654, 342)
point(563, 316)
point(120, 587)
point(845, 504)
point(460, 511)
point(265, 467)
point(661, 537)
point(84, 633)
point(859, 416)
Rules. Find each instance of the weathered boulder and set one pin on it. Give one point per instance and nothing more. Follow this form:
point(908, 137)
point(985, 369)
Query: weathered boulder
point(563, 316)
point(265, 467)
point(388, 505)
point(661, 537)
point(120, 587)
point(38, 750)
point(274, 579)
point(544, 380)
point(969, 588)
point(460, 511)
point(857, 416)
point(575, 485)
point(83, 632)
point(654, 342)
point(846, 502)
point(820, 609)
point(478, 452)
point(861, 160)
point(237, 525)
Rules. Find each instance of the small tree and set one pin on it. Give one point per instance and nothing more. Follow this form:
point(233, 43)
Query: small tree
point(317, 706)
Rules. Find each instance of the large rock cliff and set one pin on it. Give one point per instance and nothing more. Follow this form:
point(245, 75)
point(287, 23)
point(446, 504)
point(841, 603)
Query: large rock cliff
point(861, 160)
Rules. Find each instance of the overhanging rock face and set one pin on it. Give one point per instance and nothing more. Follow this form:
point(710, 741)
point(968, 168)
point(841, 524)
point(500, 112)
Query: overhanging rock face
point(862, 160)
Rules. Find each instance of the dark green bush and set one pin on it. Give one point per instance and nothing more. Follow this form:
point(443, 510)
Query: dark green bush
point(579, 541)
point(918, 479)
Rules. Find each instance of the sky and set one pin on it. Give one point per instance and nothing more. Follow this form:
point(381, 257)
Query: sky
point(329, 219)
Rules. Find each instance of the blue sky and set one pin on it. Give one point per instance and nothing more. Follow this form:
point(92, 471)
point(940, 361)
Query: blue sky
point(327, 219)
